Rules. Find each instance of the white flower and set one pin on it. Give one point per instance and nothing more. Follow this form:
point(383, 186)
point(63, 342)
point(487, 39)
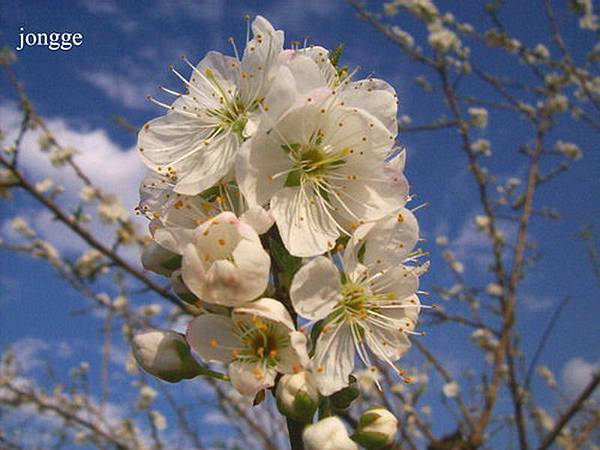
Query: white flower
point(158, 420)
point(443, 40)
point(371, 308)
point(88, 193)
point(479, 117)
point(258, 341)
point(321, 167)
point(196, 142)
point(328, 434)
point(164, 354)
point(569, 149)
point(297, 396)
point(403, 37)
point(20, 225)
point(377, 428)
point(547, 375)
point(45, 185)
point(111, 210)
point(146, 397)
point(89, 263)
point(482, 222)
point(451, 389)
point(494, 289)
point(226, 263)
point(173, 216)
point(482, 146)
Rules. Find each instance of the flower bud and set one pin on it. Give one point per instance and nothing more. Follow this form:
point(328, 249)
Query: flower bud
point(159, 260)
point(297, 396)
point(377, 428)
point(164, 354)
point(327, 434)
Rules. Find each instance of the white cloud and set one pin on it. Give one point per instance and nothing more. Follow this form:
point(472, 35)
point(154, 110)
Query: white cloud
point(203, 10)
point(536, 303)
point(215, 418)
point(124, 90)
point(577, 373)
point(102, 8)
point(31, 353)
point(112, 168)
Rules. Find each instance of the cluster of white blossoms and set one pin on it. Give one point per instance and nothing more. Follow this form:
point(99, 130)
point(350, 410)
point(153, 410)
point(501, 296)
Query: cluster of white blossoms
point(277, 207)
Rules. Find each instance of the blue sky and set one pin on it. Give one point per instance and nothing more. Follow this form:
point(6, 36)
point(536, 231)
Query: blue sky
point(126, 50)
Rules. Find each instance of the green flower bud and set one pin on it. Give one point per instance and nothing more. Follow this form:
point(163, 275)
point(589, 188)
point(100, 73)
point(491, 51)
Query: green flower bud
point(377, 428)
point(165, 354)
point(297, 396)
point(159, 260)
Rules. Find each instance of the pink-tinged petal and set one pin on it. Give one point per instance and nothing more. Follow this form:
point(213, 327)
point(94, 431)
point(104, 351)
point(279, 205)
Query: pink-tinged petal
point(212, 337)
point(315, 289)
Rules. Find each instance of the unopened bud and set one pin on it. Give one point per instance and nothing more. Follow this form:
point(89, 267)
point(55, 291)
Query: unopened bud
point(377, 428)
point(164, 354)
point(328, 434)
point(159, 260)
point(297, 396)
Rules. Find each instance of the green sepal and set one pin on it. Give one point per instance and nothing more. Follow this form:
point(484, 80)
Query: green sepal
point(367, 419)
point(173, 263)
point(303, 408)
point(371, 440)
point(191, 367)
point(343, 398)
point(287, 264)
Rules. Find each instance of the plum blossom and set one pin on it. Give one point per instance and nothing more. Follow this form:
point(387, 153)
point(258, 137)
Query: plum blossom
point(256, 342)
point(195, 143)
point(321, 170)
point(371, 309)
point(226, 263)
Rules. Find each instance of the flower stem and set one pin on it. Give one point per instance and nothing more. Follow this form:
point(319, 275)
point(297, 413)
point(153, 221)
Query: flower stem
point(295, 433)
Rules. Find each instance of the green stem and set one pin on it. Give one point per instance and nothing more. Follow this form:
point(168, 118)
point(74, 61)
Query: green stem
point(295, 432)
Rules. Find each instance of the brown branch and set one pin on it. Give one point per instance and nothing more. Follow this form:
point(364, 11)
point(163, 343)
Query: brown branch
point(91, 240)
point(568, 415)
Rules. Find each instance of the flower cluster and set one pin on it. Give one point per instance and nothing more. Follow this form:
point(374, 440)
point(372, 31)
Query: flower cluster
point(277, 207)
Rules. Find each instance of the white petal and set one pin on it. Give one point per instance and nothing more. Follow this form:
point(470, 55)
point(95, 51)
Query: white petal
point(257, 160)
point(212, 337)
point(403, 281)
point(328, 434)
point(307, 73)
point(174, 239)
point(258, 218)
point(304, 224)
point(295, 357)
point(253, 264)
point(315, 289)
point(375, 96)
point(249, 378)
point(388, 241)
point(269, 309)
point(387, 343)
point(333, 361)
point(192, 271)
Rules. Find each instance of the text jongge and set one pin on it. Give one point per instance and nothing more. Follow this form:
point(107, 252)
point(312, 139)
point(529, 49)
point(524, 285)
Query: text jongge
point(54, 41)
